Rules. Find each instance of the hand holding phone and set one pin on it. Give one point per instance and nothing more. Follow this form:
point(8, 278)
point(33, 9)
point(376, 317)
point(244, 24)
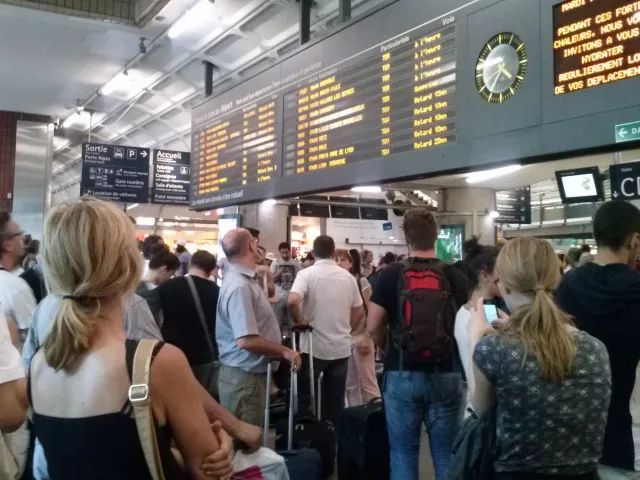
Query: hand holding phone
point(490, 311)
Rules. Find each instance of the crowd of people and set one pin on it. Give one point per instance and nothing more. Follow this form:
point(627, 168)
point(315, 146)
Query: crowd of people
point(556, 367)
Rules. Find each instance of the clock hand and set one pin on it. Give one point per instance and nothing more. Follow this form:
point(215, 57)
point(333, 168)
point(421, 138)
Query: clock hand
point(495, 81)
point(506, 73)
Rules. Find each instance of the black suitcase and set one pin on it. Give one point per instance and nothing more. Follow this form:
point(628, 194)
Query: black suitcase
point(308, 431)
point(363, 452)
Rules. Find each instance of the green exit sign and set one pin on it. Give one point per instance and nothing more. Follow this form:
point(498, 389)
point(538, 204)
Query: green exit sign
point(628, 132)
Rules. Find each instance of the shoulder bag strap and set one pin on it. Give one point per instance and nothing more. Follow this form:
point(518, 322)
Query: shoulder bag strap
point(139, 399)
point(201, 315)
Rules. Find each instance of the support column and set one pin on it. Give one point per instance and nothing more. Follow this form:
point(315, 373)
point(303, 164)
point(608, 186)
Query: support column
point(271, 220)
point(469, 206)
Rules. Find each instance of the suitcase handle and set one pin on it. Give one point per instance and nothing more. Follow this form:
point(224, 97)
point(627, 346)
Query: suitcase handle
point(302, 328)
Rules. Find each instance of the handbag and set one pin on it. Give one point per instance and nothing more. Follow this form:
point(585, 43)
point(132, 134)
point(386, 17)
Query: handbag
point(139, 399)
point(264, 464)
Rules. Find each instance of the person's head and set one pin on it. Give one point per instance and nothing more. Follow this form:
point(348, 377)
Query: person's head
point(400, 258)
point(308, 260)
point(11, 244)
point(420, 230)
point(285, 251)
point(90, 259)
point(238, 246)
point(616, 228)
point(367, 257)
point(343, 259)
point(528, 272)
point(387, 259)
point(148, 244)
point(585, 258)
point(573, 257)
point(255, 233)
point(480, 262)
point(356, 261)
point(180, 248)
point(323, 247)
point(261, 255)
point(585, 248)
point(163, 264)
point(33, 247)
point(203, 261)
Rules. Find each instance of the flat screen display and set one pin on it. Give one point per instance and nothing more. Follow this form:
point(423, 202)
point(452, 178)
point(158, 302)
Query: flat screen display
point(595, 42)
point(580, 185)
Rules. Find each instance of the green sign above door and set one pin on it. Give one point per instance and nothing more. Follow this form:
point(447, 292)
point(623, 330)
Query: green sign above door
point(627, 132)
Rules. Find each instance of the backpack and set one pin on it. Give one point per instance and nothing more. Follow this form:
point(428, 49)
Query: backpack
point(424, 334)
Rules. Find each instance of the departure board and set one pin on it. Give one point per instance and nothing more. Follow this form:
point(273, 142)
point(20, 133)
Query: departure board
point(237, 148)
point(595, 42)
point(395, 98)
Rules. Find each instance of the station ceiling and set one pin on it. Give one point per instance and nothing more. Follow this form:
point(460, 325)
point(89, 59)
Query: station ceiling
point(52, 63)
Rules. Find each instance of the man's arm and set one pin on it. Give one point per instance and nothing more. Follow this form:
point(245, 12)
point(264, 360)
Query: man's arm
point(357, 314)
point(377, 320)
point(294, 301)
point(13, 398)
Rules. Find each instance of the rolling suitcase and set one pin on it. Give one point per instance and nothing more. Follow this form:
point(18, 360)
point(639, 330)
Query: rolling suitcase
point(309, 431)
point(302, 464)
point(363, 452)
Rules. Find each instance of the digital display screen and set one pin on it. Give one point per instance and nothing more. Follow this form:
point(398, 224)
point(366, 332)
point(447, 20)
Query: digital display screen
point(595, 42)
point(581, 185)
point(399, 98)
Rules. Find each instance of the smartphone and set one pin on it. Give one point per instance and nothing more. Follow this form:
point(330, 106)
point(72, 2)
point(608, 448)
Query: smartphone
point(490, 311)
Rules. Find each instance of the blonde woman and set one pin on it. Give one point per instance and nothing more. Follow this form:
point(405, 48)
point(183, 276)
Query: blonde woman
point(362, 385)
point(550, 382)
point(79, 380)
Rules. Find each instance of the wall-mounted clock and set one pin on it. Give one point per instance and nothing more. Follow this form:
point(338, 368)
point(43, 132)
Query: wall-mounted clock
point(501, 67)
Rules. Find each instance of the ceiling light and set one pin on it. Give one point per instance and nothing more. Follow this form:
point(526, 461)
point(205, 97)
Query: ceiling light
point(75, 117)
point(131, 207)
point(206, 214)
point(391, 238)
point(493, 214)
point(367, 189)
point(124, 81)
point(269, 202)
point(477, 177)
point(191, 16)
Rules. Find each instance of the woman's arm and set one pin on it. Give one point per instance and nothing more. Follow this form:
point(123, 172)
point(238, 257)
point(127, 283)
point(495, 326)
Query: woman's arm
point(481, 392)
point(176, 399)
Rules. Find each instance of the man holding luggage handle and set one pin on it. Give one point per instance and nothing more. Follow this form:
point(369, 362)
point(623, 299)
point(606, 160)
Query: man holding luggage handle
point(247, 332)
point(418, 299)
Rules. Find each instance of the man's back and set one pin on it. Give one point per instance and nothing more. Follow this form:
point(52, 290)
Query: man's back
point(605, 301)
point(329, 293)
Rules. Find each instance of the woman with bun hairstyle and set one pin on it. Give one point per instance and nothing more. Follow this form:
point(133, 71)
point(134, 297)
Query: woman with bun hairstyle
point(479, 267)
point(79, 380)
point(550, 382)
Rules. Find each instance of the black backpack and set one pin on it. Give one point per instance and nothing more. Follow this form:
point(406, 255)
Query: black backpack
point(424, 334)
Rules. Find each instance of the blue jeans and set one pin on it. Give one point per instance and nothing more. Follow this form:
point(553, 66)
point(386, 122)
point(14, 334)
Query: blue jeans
point(413, 398)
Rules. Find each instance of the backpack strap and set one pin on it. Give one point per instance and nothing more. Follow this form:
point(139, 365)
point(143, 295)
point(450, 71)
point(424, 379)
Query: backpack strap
point(139, 399)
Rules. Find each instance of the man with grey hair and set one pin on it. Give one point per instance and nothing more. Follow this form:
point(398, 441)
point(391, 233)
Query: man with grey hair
point(247, 332)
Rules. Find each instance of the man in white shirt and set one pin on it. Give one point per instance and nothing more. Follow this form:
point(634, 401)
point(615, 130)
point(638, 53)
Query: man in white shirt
point(331, 303)
point(12, 383)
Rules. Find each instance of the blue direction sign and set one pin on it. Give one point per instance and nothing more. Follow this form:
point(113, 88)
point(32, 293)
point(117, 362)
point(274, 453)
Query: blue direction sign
point(625, 181)
point(115, 172)
point(171, 177)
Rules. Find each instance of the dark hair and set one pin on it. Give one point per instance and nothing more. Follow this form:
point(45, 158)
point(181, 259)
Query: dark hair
point(164, 258)
point(204, 260)
point(478, 259)
point(149, 242)
point(255, 233)
point(309, 257)
point(614, 223)
point(180, 248)
point(356, 261)
point(388, 258)
point(420, 229)
point(573, 256)
point(260, 247)
point(323, 247)
point(586, 248)
point(33, 247)
point(284, 245)
point(400, 258)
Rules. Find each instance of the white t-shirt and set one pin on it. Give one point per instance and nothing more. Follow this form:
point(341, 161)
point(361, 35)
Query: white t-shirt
point(16, 298)
point(10, 361)
point(461, 335)
point(291, 269)
point(328, 293)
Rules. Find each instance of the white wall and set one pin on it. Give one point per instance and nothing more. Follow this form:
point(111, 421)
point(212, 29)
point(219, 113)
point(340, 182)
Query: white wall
point(368, 234)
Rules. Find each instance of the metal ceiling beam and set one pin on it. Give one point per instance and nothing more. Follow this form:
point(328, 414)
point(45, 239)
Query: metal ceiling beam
point(305, 21)
point(344, 9)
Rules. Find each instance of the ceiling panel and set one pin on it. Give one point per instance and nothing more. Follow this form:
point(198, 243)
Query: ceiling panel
point(230, 49)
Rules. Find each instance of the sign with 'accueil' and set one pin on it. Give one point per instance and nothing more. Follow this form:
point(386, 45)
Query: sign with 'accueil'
point(625, 181)
point(171, 177)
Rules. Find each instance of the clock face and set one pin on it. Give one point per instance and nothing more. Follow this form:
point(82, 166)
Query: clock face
point(501, 68)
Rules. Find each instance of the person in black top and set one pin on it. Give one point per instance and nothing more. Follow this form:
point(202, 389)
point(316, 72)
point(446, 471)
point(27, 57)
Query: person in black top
point(162, 266)
point(604, 298)
point(188, 327)
point(416, 393)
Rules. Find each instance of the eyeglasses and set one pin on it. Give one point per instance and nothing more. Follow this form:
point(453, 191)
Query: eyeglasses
point(10, 235)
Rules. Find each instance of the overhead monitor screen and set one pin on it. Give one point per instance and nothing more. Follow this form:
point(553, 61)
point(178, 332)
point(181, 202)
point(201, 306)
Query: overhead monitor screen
point(580, 185)
point(595, 42)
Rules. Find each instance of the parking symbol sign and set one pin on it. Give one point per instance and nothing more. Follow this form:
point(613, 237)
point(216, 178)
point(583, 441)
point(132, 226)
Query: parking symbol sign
point(118, 152)
point(132, 154)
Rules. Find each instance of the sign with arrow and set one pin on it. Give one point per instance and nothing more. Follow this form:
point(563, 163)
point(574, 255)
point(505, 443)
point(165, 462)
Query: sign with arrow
point(625, 181)
point(514, 206)
point(627, 132)
point(115, 172)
